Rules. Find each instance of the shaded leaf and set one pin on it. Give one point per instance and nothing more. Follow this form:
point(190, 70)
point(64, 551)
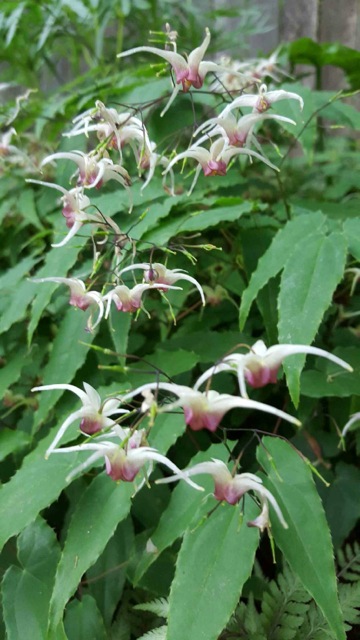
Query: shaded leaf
point(306, 544)
point(275, 258)
point(107, 576)
point(186, 508)
point(26, 590)
point(66, 357)
point(35, 485)
point(215, 558)
point(83, 620)
point(308, 282)
point(101, 508)
point(57, 263)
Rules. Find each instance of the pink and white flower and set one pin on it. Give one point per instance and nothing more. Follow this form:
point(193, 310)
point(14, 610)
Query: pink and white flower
point(260, 366)
point(74, 211)
point(79, 296)
point(237, 133)
point(129, 300)
point(157, 273)
point(205, 410)
point(190, 72)
point(262, 101)
point(124, 458)
point(94, 414)
point(92, 171)
point(231, 489)
point(214, 161)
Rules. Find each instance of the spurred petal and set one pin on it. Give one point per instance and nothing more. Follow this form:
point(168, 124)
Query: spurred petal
point(277, 353)
point(68, 387)
point(354, 418)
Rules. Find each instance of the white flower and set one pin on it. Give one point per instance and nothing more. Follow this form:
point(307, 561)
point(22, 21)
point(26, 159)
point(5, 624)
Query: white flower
point(79, 296)
point(92, 170)
point(232, 488)
point(129, 300)
point(157, 273)
point(262, 101)
point(94, 414)
point(214, 162)
point(237, 133)
point(205, 410)
point(260, 366)
point(124, 458)
point(189, 72)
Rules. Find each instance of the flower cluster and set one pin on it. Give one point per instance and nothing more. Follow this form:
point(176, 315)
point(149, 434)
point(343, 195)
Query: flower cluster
point(106, 430)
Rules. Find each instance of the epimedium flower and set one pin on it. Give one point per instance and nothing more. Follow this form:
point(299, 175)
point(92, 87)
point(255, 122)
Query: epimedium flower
point(214, 161)
point(74, 211)
point(92, 170)
point(260, 366)
point(80, 297)
point(157, 273)
point(94, 414)
point(124, 458)
point(231, 488)
point(129, 300)
point(262, 101)
point(205, 410)
point(236, 132)
point(190, 72)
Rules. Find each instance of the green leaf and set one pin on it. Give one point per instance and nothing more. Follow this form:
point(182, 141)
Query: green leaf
point(57, 263)
point(27, 208)
point(330, 380)
point(187, 506)
point(214, 562)
point(199, 220)
point(119, 326)
point(11, 372)
point(166, 430)
point(306, 544)
point(107, 576)
point(12, 440)
point(16, 293)
point(27, 588)
point(343, 497)
point(352, 232)
point(280, 250)
point(66, 357)
point(101, 508)
point(35, 485)
point(83, 620)
point(308, 282)
point(305, 130)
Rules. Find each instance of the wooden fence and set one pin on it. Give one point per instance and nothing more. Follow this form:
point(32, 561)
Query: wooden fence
point(321, 20)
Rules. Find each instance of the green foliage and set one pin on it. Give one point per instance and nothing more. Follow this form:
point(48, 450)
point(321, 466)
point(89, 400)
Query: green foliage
point(307, 544)
point(205, 565)
point(26, 589)
point(272, 253)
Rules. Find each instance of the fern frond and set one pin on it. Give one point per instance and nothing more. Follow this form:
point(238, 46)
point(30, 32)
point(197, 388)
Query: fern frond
point(160, 607)
point(349, 596)
point(155, 634)
point(245, 623)
point(284, 607)
point(314, 626)
point(349, 563)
